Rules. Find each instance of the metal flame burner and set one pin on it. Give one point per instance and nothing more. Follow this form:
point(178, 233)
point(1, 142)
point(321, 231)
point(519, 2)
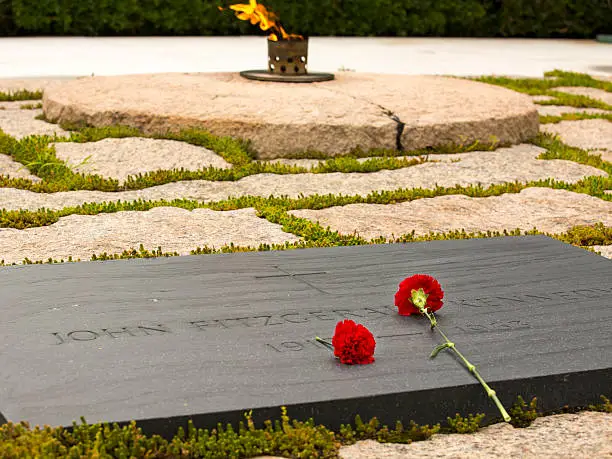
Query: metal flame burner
point(287, 63)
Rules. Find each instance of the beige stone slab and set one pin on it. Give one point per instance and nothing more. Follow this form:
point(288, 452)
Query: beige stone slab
point(172, 228)
point(587, 134)
point(558, 110)
point(548, 210)
point(355, 110)
point(120, 158)
point(13, 169)
point(30, 84)
point(439, 110)
point(541, 98)
point(17, 104)
point(605, 250)
point(276, 117)
point(587, 435)
point(517, 163)
point(594, 93)
point(22, 123)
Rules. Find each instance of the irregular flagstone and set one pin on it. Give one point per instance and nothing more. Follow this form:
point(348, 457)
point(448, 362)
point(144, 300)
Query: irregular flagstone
point(548, 210)
point(13, 169)
point(171, 228)
point(17, 104)
point(605, 250)
point(586, 134)
point(518, 163)
point(584, 435)
point(558, 110)
point(119, 158)
point(22, 123)
point(10, 85)
point(594, 93)
point(353, 111)
point(541, 98)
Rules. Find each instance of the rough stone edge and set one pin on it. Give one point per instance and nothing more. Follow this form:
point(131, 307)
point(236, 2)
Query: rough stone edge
point(512, 130)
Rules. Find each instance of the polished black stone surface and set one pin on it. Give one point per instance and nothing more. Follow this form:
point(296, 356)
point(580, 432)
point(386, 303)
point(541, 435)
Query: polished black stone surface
point(209, 337)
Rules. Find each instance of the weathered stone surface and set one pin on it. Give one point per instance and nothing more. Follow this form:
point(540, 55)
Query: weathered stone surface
point(594, 93)
point(548, 210)
point(541, 98)
point(119, 158)
point(17, 104)
point(22, 123)
point(172, 228)
point(355, 110)
point(558, 110)
point(503, 165)
point(439, 110)
point(593, 134)
point(605, 250)
point(569, 436)
point(31, 84)
point(10, 168)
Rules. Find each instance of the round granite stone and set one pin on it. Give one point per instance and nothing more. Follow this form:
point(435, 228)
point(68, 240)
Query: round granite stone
point(353, 111)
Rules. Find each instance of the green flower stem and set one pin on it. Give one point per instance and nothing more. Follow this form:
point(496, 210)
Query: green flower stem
point(472, 369)
point(419, 299)
point(327, 344)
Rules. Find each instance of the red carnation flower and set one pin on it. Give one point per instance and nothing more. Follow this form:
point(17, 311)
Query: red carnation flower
point(353, 343)
point(431, 287)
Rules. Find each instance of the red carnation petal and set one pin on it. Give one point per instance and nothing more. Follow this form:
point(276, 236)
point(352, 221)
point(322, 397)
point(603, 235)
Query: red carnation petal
point(403, 297)
point(353, 343)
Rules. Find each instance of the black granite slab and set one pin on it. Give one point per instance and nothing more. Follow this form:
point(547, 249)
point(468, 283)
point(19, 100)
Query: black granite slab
point(209, 337)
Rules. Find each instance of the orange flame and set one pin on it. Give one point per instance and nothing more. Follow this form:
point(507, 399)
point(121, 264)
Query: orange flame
point(257, 13)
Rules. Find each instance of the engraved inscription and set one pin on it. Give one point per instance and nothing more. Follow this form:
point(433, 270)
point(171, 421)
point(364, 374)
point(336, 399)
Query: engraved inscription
point(113, 333)
point(307, 344)
point(293, 318)
point(522, 299)
point(496, 326)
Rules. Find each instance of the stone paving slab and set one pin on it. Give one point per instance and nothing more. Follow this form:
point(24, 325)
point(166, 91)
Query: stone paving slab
point(354, 110)
point(16, 105)
point(605, 250)
point(10, 168)
point(548, 210)
point(10, 85)
point(595, 134)
point(172, 228)
point(594, 93)
point(120, 158)
point(505, 165)
point(22, 123)
point(586, 435)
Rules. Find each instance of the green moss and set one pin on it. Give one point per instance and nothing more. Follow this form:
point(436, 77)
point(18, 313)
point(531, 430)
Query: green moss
point(461, 425)
point(20, 95)
point(605, 406)
point(555, 79)
point(30, 106)
point(522, 414)
point(551, 119)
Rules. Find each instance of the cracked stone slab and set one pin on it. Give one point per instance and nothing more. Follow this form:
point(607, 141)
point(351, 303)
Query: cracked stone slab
point(548, 210)
point(353, 111)
point(593, 93)
point(584, 435)
point(120, 158)
point(22, 123)
point(558, 110)
point(13, 169)
point(439, 111)
point(595, 134)
point(504, 165)
point(171, 228)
